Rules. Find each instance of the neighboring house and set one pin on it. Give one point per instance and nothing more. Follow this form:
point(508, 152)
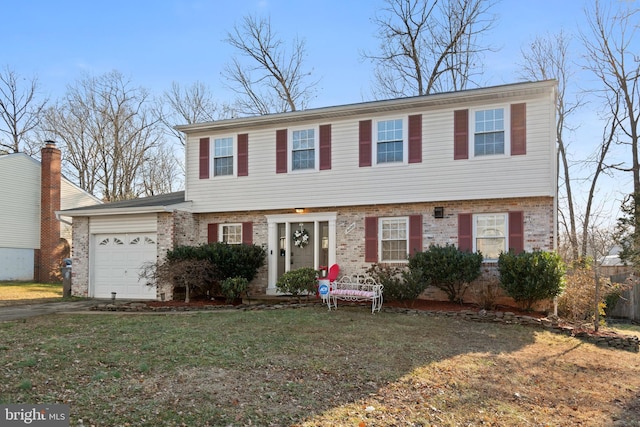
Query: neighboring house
point(367, 183)
point(30, 234)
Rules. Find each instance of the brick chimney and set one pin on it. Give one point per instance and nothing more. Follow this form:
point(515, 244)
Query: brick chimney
point(50, 259)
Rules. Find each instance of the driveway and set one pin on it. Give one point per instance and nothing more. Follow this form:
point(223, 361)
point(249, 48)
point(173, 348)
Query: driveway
point(23, 311)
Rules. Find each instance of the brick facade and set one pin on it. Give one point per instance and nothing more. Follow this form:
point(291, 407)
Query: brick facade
point(179, 228)
point(80, 257)
point(52, 248)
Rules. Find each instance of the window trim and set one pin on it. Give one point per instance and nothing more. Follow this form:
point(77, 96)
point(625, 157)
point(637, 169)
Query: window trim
point(474, 235)
point(316, 149)
point(221, 228)
point(406, 220)
point(234, 157)
point(405, 141)
point(506, 109)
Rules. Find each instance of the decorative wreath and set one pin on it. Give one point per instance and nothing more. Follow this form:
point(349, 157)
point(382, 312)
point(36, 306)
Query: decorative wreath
point(301, 238)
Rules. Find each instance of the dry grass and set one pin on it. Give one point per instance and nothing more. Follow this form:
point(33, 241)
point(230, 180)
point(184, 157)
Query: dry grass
point(309, 367)
point(27, 292)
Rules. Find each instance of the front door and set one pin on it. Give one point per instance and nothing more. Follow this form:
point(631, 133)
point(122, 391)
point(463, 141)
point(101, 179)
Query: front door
point(297, 241)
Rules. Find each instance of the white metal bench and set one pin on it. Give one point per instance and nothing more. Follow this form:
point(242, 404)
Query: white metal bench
point(356, 288)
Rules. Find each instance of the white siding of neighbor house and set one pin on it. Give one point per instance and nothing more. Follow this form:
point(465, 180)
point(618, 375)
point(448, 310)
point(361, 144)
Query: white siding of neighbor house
point(19, 202)
point(72, 196)
point(437, 178)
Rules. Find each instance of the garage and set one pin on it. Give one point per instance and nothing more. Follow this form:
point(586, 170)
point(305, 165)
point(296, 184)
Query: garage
point(112, 241)
point(118, 260)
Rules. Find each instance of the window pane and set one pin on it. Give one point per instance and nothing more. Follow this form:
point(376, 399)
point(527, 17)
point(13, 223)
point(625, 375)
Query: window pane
point(223, 147)
point(389, 143)
point(394, 240)
point(223, 166)
point(489, 132)
point(232, 234)
point(491, 232)
point(303, 159)
point(303, 149)
point(223, 156)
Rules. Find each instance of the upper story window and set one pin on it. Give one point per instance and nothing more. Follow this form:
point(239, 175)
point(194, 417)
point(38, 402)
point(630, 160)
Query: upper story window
point(390, 141)
point(223, 156)
point(489, 132)
point(303, 149)
point(490, 234)
point(231, 233)
point(394, 239)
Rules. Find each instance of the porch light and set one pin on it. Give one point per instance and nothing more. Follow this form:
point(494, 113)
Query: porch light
point(299, 210)
point(438, 212)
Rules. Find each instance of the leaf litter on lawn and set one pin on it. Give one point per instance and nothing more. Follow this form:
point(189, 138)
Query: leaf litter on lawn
point(313, 367)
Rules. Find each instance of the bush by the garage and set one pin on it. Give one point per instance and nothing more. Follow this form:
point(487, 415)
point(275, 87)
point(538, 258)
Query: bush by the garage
point(209, 265)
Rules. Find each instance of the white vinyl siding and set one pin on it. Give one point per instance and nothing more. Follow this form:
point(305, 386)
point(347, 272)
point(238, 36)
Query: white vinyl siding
point(438, 178)
point(20, 201)
point(123, 224)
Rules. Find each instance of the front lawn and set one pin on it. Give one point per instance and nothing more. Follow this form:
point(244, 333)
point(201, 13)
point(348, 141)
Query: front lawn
point(311, 367)
point(10, 292)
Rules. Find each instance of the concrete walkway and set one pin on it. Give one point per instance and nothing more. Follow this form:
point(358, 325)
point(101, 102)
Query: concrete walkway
point(24, 311)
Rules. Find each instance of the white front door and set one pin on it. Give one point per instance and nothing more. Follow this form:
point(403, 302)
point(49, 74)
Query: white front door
point(284, 255)
point(118, 259)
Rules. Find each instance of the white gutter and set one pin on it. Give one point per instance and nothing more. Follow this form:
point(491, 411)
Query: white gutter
point(124, 210)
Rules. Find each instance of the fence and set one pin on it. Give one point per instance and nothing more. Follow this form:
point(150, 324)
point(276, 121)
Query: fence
point(628, 306)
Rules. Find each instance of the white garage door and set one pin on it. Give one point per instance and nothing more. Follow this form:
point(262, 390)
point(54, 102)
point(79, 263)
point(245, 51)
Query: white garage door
point(117, 263)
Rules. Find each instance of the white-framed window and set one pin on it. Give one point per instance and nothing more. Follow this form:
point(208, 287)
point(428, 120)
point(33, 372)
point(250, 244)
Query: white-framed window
point(394, 239)
point(223, 156)
point(231, 233)
point(303, 149)
point(489, 130)
point(390, 141)
point(490, 234)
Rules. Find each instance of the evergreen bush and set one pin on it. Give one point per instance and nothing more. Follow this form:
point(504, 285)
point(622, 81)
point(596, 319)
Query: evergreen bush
point(530, 277)
point(447, 268)
point(298, 282)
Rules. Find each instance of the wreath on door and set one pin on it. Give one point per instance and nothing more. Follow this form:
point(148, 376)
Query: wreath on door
point(301, 238)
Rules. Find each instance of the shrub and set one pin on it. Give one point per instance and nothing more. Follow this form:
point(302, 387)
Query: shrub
point(447, 268)
point(530, 277)
point(234, 287)
point(194, 275)
point(485, 293)
point(202, 269)
point(298, 282)
point(400, 284)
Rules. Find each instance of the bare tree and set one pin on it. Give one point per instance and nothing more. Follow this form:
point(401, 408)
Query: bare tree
point(193, 104)
point(20, 110)
point(611, 58)
point(274, 81)
point(109, 134)
point(428, 46)
point(162, 175)
point(547, 58)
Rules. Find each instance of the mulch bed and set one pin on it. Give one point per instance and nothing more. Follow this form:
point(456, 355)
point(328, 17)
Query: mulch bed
point(420, 304)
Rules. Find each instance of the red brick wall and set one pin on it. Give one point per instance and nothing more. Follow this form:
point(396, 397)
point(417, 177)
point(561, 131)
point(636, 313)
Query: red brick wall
point(52, 250)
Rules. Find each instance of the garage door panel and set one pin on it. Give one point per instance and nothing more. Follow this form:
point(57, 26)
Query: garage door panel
point(118, 260)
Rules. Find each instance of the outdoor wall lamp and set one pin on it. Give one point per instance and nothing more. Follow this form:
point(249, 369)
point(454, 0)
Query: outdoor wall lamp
point(438, 212)
point(299, 210)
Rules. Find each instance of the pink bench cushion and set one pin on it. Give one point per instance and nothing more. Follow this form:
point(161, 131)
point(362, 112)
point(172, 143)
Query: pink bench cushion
point(365, 294)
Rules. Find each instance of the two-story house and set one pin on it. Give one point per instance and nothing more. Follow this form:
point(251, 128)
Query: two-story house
point(352, 184)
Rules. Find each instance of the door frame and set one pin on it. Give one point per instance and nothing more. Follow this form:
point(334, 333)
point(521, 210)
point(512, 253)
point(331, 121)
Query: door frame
point(289, 220)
